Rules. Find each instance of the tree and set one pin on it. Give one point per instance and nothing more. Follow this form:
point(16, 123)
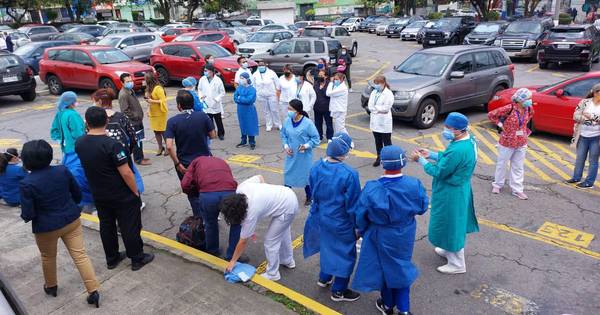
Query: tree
point(530, 6)
point(17, 9)
point(371, 4)
point(164, 6)
point(483, 7)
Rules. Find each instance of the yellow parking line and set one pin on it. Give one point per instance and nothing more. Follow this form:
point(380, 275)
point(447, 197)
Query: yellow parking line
point(533, 68)
point(220, 264)
point(256, 166)
point(556, 74)
point(551, 153)
point(438, 142)
point(383, 66)
point(549, 165)
point(565, 149)
point(262, 268)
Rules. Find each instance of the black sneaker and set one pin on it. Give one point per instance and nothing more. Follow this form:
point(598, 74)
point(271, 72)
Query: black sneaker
point(241, 144)
point(137, 265)
point(221, 138)
point(377, 162)
point(571, 181)
point(382, 308)
point(252, 146)
point(114, 265)
point(584, 186)
point(347, 295)
point(324, 284)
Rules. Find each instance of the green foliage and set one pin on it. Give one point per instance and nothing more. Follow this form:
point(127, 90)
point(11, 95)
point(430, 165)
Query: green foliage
point(492, 16)
point(564, 19)
point(435, 15)
point(310, 12)
point(51, 15)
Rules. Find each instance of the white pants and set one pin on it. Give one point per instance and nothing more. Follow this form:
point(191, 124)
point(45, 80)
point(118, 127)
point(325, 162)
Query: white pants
point(339, 122)
point(516, 157)
point(278, 243)
point(271, 111)
point(456, 259)
point(283, 110)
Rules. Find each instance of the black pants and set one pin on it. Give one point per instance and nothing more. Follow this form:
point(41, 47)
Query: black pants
point(219, 123)
point(347, 73)
point(381, 140)
point(128, 215)
point(319, 117)
point(138, 150)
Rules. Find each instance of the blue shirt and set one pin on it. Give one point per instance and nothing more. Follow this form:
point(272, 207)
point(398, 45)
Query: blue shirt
point(9, 183)
point(190, 131)
point(49, 199)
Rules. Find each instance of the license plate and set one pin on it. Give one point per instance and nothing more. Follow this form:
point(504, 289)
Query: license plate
point(563, 46)
point(10, 78)
point(432, 42)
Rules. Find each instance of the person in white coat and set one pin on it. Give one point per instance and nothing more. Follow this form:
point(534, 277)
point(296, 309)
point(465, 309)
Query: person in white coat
point(337, 90)
point(287, 90)
point(256, 200)
point(380, 106)
point(211, 91)
point(243, 62)
point(305, 92)
point(266, 83)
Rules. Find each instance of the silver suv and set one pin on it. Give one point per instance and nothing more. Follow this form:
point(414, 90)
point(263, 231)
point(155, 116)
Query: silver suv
point(138, 46)
point(302, 53)
point(338, 32)
point(445, 79)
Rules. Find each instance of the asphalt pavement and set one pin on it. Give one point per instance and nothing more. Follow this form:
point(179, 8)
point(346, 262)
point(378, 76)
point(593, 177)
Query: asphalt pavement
point(538, 256)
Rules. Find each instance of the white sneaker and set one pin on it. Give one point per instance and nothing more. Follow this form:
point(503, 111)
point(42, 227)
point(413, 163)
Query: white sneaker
point(276, 277)
point(291, 265)
point(350, 90)
point(495, 190)
point(268, 129)
point(143, 206)
point(441, 252)
point(451, 270)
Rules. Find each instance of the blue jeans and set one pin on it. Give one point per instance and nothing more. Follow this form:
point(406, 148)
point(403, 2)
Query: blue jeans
point(209, 211)
point(587, 146)
point(339, 284)
point(400, 298)
point(246, 138)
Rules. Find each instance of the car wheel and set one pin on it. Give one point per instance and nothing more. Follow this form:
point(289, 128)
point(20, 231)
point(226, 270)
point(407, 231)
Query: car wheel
point(543, 65)
point(54, 85)
point(496, 90)
point(106, 83)
point(354, 50)
point(426, 114)
point(163, 76)
point(29, 96)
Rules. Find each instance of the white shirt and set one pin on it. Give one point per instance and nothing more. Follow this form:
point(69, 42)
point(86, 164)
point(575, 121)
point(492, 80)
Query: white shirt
point(264, 201)
point(266, 84)
point(381, 102)
point(213, 92)
point(239, 73)
point(338, 97)
point(288, 88)
point(307, 95)
point(592, 130)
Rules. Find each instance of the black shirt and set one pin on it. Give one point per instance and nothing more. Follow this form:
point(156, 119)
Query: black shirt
point(322, 102)
point(100, 157)
point(190, 131)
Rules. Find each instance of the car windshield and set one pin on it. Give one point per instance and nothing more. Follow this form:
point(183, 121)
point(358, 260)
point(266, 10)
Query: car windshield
point(236, 23)
point(524, 27)
point(487, 28)
point(214, 49)
point(350, 20)
point(184, 38)
point(262, 37)
point(315, 32)
point(109, 41)
point(253, 23)
point(8, 61)
point(110, 56)
point(424, 64)
point(572, 33)
point(25, 50)
point(443, 23)
point(18, 35)
point(402, 21)
point(417, 24)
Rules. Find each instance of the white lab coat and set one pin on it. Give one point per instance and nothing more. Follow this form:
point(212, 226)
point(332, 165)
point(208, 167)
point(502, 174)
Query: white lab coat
point(239, 73)
point(338, 97)
point(213, 93)
point(307, 95)
point(266, 84)
point(288, 89)
point(379, 103)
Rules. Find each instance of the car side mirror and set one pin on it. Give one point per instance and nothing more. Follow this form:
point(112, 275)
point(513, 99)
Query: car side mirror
point(123, 46)
point(276, 40)
point(560, 93)
point(194, 57)
point(271, 52)
point(457, 74)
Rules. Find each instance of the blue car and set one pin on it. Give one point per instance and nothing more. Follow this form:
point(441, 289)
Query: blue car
point(32, 52)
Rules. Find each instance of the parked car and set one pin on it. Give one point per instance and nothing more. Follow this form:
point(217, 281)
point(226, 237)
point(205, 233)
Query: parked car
point(445, 79)
point(121, 25)
point(396, 28)
point(67, 26)
point(421, 32)
point(463, 12)
point(138, 46)
point(5, 28)
point(300, 52)
point(76, 38)
point(163, 28)
point(210, 24)
point(153, 27)
point(260, 42)
point(19, 39)
point(364, 25)
point(255, 23)
point(39, 33)
point(382, 27)
point(553, 104)
point(337, 32)
point(448, 31)
point(238, 35)
point(178, 60)
point(352, 23)
point(289, 27)
point(107, 23)
point(88, 67)
point(340, 20)
point(170, 34)
point(570, 43)
point(411, 31)
point(218, 37)
point(523, 37)
point(485, 33)
point(16, 77)
point(372, 26)
point(32, 53)
point(94, 30)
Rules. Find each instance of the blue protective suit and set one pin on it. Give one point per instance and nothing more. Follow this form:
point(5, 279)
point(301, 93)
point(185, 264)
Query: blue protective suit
point(297, 166)
point(329, 227)
point(9, 183)
point(245, 97)
point(72, 162)
point(385, 218)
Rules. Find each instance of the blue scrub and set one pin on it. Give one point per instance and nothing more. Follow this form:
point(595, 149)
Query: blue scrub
point(245, 97)
point(9, 184)
point(297, 166)
point(329, 227)
point(385, 218)
point(199, 106)
point(72, 162)
point(138, 178)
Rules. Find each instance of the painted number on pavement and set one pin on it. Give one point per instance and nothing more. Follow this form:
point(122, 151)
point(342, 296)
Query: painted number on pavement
point(242, 158)
point(566, 234)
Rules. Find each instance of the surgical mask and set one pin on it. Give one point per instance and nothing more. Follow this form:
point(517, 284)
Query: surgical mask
point(211, 60)
point(243, 82)
point(128, 85)
point(343, 52)
point(320, 66)
point(244, 65)
point(336, 82)
point(448, 134)
point(262, 69)
point(206, 73)
point(527, 103)
point(291, 114)
point(378, 87)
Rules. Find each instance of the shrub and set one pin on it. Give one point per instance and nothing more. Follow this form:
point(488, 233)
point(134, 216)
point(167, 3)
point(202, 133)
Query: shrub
point(435, 15)
point(492, 16)
point(564, 19)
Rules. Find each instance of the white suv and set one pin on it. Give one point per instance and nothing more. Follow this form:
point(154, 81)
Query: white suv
point(338, 32)
point(351, 24)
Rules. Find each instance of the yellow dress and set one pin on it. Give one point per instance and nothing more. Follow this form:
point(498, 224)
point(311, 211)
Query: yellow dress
point(157, 113)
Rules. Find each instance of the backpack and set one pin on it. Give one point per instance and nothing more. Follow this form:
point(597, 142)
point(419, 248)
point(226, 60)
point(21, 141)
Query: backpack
point(191, 233)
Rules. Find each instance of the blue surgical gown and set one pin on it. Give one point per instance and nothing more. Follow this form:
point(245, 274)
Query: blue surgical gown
point(9, 183)
point(244, 97)
point(297, 166)
point(329, 227)
point(385, 219)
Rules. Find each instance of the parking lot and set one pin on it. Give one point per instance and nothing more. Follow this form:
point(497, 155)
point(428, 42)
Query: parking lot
point(539, 256)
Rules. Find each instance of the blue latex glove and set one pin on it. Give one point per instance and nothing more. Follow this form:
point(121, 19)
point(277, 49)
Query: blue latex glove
point(433, 155)
point(423, 161)
point(240, 273)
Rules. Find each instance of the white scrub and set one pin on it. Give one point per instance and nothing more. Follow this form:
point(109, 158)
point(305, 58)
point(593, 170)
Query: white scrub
point(288, 90)
point(213, 92)
point(307, 95)
point(266, 85)
point(338, 106)
point(516, 157)
point(378, 104)
point(278, 204)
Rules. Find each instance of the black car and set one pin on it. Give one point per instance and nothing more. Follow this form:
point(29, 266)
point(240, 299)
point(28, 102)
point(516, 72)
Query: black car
point(77, 38)
point(16, 78)
point(485, 33)
point(32, 53)
point(394, 30)
point(67, 26)
point(39, 33)
point(448, 31)
point(570, 43)
point(94, 30)
point(522, 37)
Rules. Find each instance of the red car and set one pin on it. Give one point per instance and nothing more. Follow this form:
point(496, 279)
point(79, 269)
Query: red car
point(171, 33)
point(178, 60)
point(88, 67)
point(218, 37)
point(554, 104)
